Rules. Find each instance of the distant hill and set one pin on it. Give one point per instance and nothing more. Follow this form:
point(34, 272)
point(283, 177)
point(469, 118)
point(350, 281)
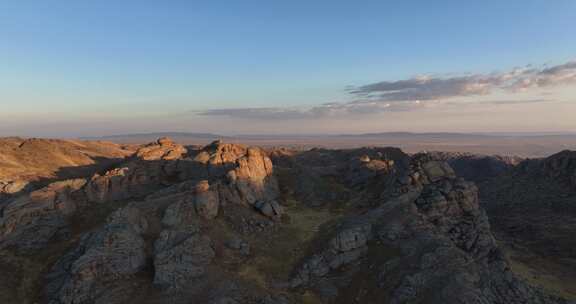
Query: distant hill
point(524, 144)
point(34, 158)
point(27, 163)
point(183, 137)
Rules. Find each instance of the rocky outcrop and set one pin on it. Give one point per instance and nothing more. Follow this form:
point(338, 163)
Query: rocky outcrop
point(531, 210)
point(252, 178)
point(206, 200)
point(271, 209)
point(561, 167)
point(182, 252)
point(348, 245)
point(153, 166)
point(246, 175)
point(9, 188)
point(179, 257)
point(30, 221)
point(365, 168)
point(219, 154)
point(249, 181)
point(96, 271)
point(163, 149)
point(477, 167)
point(221, 224)
point(436, 226)
point(200, 202)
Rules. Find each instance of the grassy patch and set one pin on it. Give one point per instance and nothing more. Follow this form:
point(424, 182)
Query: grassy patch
point(364, 285)
point(26, 274)
point(310, 298)
point(543, 273)
point(288, 245)
point(278, 253)
point(252, 274)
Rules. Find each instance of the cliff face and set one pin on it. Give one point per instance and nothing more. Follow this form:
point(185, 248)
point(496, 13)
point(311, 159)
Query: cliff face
point(233, 224)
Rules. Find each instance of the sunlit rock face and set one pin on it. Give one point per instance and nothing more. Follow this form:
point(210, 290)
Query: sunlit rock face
point(163, 149)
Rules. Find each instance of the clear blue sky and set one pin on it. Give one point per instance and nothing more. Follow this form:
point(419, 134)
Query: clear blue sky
point(72, 58)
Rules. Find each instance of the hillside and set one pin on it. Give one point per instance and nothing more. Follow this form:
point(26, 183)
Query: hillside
point(25, 162)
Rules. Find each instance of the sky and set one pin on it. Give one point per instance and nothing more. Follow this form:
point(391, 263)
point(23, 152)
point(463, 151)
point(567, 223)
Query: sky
point(88, 68)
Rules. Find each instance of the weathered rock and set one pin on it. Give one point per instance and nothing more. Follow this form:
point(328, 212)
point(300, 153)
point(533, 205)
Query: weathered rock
point(181, 214)
point(437, 225)
point(206, 200)
point(364, 158)
point(179, 257)
point(401, 229)
point(253, 177)
point(136, 180)
point(12, 187)
point(219, 153)
point(31, 220)
point(163, 149)
point(351, 238)
point(103, 259)
point(435, 170)
point(562, 167)
point(154, 167)
point(271, 209)
point(240, 245)
point(348, 245)
point(200, 201)
point(475, 167)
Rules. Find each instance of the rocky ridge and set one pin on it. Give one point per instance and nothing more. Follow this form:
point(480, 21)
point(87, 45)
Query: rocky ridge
point(226, 223)
point(441, 245)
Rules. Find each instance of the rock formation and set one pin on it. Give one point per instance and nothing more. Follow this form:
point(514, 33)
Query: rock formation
point(442, 241)
point(97, 269)
point(227, 223)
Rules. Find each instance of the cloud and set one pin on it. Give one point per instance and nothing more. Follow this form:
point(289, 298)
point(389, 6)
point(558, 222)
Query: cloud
point(427, 88)
point(321, 111)
point(523, 101)
point(434, 88)
point(564, 74)
point(418, 93)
